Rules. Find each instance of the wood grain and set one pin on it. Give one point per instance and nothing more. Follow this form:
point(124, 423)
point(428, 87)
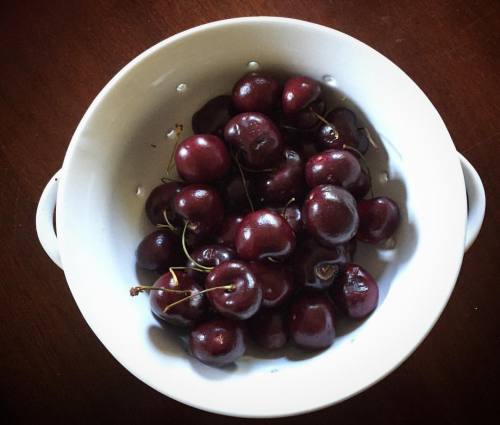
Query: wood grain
point(57, 55)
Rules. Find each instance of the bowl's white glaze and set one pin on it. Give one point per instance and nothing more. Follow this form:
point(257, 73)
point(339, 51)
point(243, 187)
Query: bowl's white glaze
point(111, 166)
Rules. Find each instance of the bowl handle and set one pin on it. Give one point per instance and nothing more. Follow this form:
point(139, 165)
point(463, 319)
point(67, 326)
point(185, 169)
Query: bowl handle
point(476, 201)
point(44, 219)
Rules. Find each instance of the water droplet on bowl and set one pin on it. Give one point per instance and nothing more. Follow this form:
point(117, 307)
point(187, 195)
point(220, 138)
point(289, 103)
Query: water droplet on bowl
point(383, 177)
point(329, 80)
point(389, 243)
point(253, 65)
point(182, 87)
point(139, 190)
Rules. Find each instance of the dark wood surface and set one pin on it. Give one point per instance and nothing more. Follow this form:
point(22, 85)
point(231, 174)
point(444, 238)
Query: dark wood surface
point(57, 55)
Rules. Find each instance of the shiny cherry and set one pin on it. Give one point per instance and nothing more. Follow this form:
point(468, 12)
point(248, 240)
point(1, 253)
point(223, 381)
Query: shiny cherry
point(276, 282)
point(160, 201)
point(228, 228)
point(378, 219)
point(218, 342)
point(256, 137)
point(312, 321)
point(208, 256)
point(298, 94)
point(360, 187)
point(345, 132)
point(202, 158)
point(263, 234)
point(185, 313)
point(337, 167)
point(356, 292)
point(257, 92)
point(330, 215)
point(201, 206)
point(159, 250)
point(213, 116)
point(269, 328)
point(308, 118)
point(242, 299)
point(317, 267)
point(283, 183)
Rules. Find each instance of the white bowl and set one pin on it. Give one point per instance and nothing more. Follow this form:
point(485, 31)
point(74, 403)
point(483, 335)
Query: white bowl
point(111, 165)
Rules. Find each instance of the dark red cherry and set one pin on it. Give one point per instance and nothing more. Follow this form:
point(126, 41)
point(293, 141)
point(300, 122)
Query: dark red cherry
point(312, 321)
point(337, 167)
point(356, 292)
point(256, 137)
point(160, 200)
point(213, 116)
point(293, 216)
point(233, 193)
point(201, 206)
point(308, 118)
point(243, 299)
point(346, 132)
point(202, 158)
point(263, 234)
point(285, 182)
point(208, 256)
point(317, 267)
point(218, 342)
point(330, 215)
point(269, 328)
point(257, 92)
point(185, 313)
point(228, 228)
point(378, 219)
point(159, 250)
point(298, 94)
point(360, 187)
point(276, 282)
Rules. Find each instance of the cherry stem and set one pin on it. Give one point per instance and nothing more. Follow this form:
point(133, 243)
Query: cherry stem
point(290, 201)
point(168, 225)
point(244, 182)
point(251, 170)
point(363, 163)
point(178, 131)
point(229, 287)
point(184, 248)
point(325, 121)
point(136, 290)
point(170, 179)
point(370, 138)
point(272, 260)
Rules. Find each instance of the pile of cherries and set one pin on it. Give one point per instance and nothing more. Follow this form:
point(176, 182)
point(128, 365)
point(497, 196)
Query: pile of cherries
point(257, 239)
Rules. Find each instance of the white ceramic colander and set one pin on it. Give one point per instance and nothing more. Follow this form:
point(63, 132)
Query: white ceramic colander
point(119, 152)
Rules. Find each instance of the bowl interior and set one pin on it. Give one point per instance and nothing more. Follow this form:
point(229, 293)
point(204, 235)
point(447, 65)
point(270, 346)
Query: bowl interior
point(121, 150)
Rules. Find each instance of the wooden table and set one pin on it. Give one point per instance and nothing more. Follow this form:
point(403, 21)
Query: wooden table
point(57, 55)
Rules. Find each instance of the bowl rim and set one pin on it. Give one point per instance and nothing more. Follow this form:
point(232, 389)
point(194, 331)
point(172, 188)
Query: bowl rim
point(64, 241)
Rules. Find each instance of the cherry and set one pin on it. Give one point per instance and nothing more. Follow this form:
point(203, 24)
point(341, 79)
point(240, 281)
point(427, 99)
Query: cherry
point(263, 234)
point(317, 267)
point(360, 187)
point(345, 131)
point(213, 116)
point(298, 94)
point(207, 256)
point(308, 118)
point(202, 158)
point(312, 321)
point(201, 207)
point(159, 250)
point(256, 137)
point(378, 219)
point(257, 92)
point(243, 295)
point(356, 293)
point(217, 342)
point(228, 229)
point(330, 215)
point(269, 328)
point(285, 182)
point(276, 282)
point(293, 216)
point(184, 313)
point(337, 167)
point(234, 194)
point(159, 202)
